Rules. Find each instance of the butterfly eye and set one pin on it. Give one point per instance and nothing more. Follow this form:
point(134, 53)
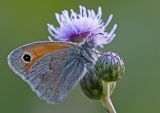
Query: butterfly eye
point(26, 57)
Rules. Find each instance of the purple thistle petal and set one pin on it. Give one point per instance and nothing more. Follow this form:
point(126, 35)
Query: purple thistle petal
point(75, 27)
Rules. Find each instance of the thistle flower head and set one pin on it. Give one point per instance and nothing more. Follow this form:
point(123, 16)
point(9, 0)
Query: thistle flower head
point(75, 27)
point(110, 67)
point(91, 85)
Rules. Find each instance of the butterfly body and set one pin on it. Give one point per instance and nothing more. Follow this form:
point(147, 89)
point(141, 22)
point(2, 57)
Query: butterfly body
point(52, 69)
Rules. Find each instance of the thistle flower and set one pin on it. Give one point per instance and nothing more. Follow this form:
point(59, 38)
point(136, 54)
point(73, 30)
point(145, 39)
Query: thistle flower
point(97, 89)
point(91, 85)
point(110, 67)
point(75, 27)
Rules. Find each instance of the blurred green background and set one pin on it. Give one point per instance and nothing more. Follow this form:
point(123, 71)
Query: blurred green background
point(137, 41)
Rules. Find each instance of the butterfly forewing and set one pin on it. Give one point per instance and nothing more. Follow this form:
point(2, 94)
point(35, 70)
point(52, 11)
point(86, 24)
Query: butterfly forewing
point(52, 75)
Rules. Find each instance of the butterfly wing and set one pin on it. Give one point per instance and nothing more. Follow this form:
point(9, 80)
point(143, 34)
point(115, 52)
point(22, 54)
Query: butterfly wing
point(55, 68)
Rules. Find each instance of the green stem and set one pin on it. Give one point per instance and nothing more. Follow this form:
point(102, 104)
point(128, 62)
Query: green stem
point(106, 101)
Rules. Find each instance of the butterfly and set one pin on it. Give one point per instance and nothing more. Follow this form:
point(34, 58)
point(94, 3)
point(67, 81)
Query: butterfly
point(52, 69)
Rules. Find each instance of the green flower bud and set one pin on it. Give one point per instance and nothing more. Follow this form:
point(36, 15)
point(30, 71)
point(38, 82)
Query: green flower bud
point(91, 85)
point(109, 67)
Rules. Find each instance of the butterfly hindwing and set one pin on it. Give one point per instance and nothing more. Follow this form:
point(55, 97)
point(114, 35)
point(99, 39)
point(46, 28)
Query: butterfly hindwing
point(53, 80)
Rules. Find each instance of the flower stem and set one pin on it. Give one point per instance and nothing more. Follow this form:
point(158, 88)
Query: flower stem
point(106, 101)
